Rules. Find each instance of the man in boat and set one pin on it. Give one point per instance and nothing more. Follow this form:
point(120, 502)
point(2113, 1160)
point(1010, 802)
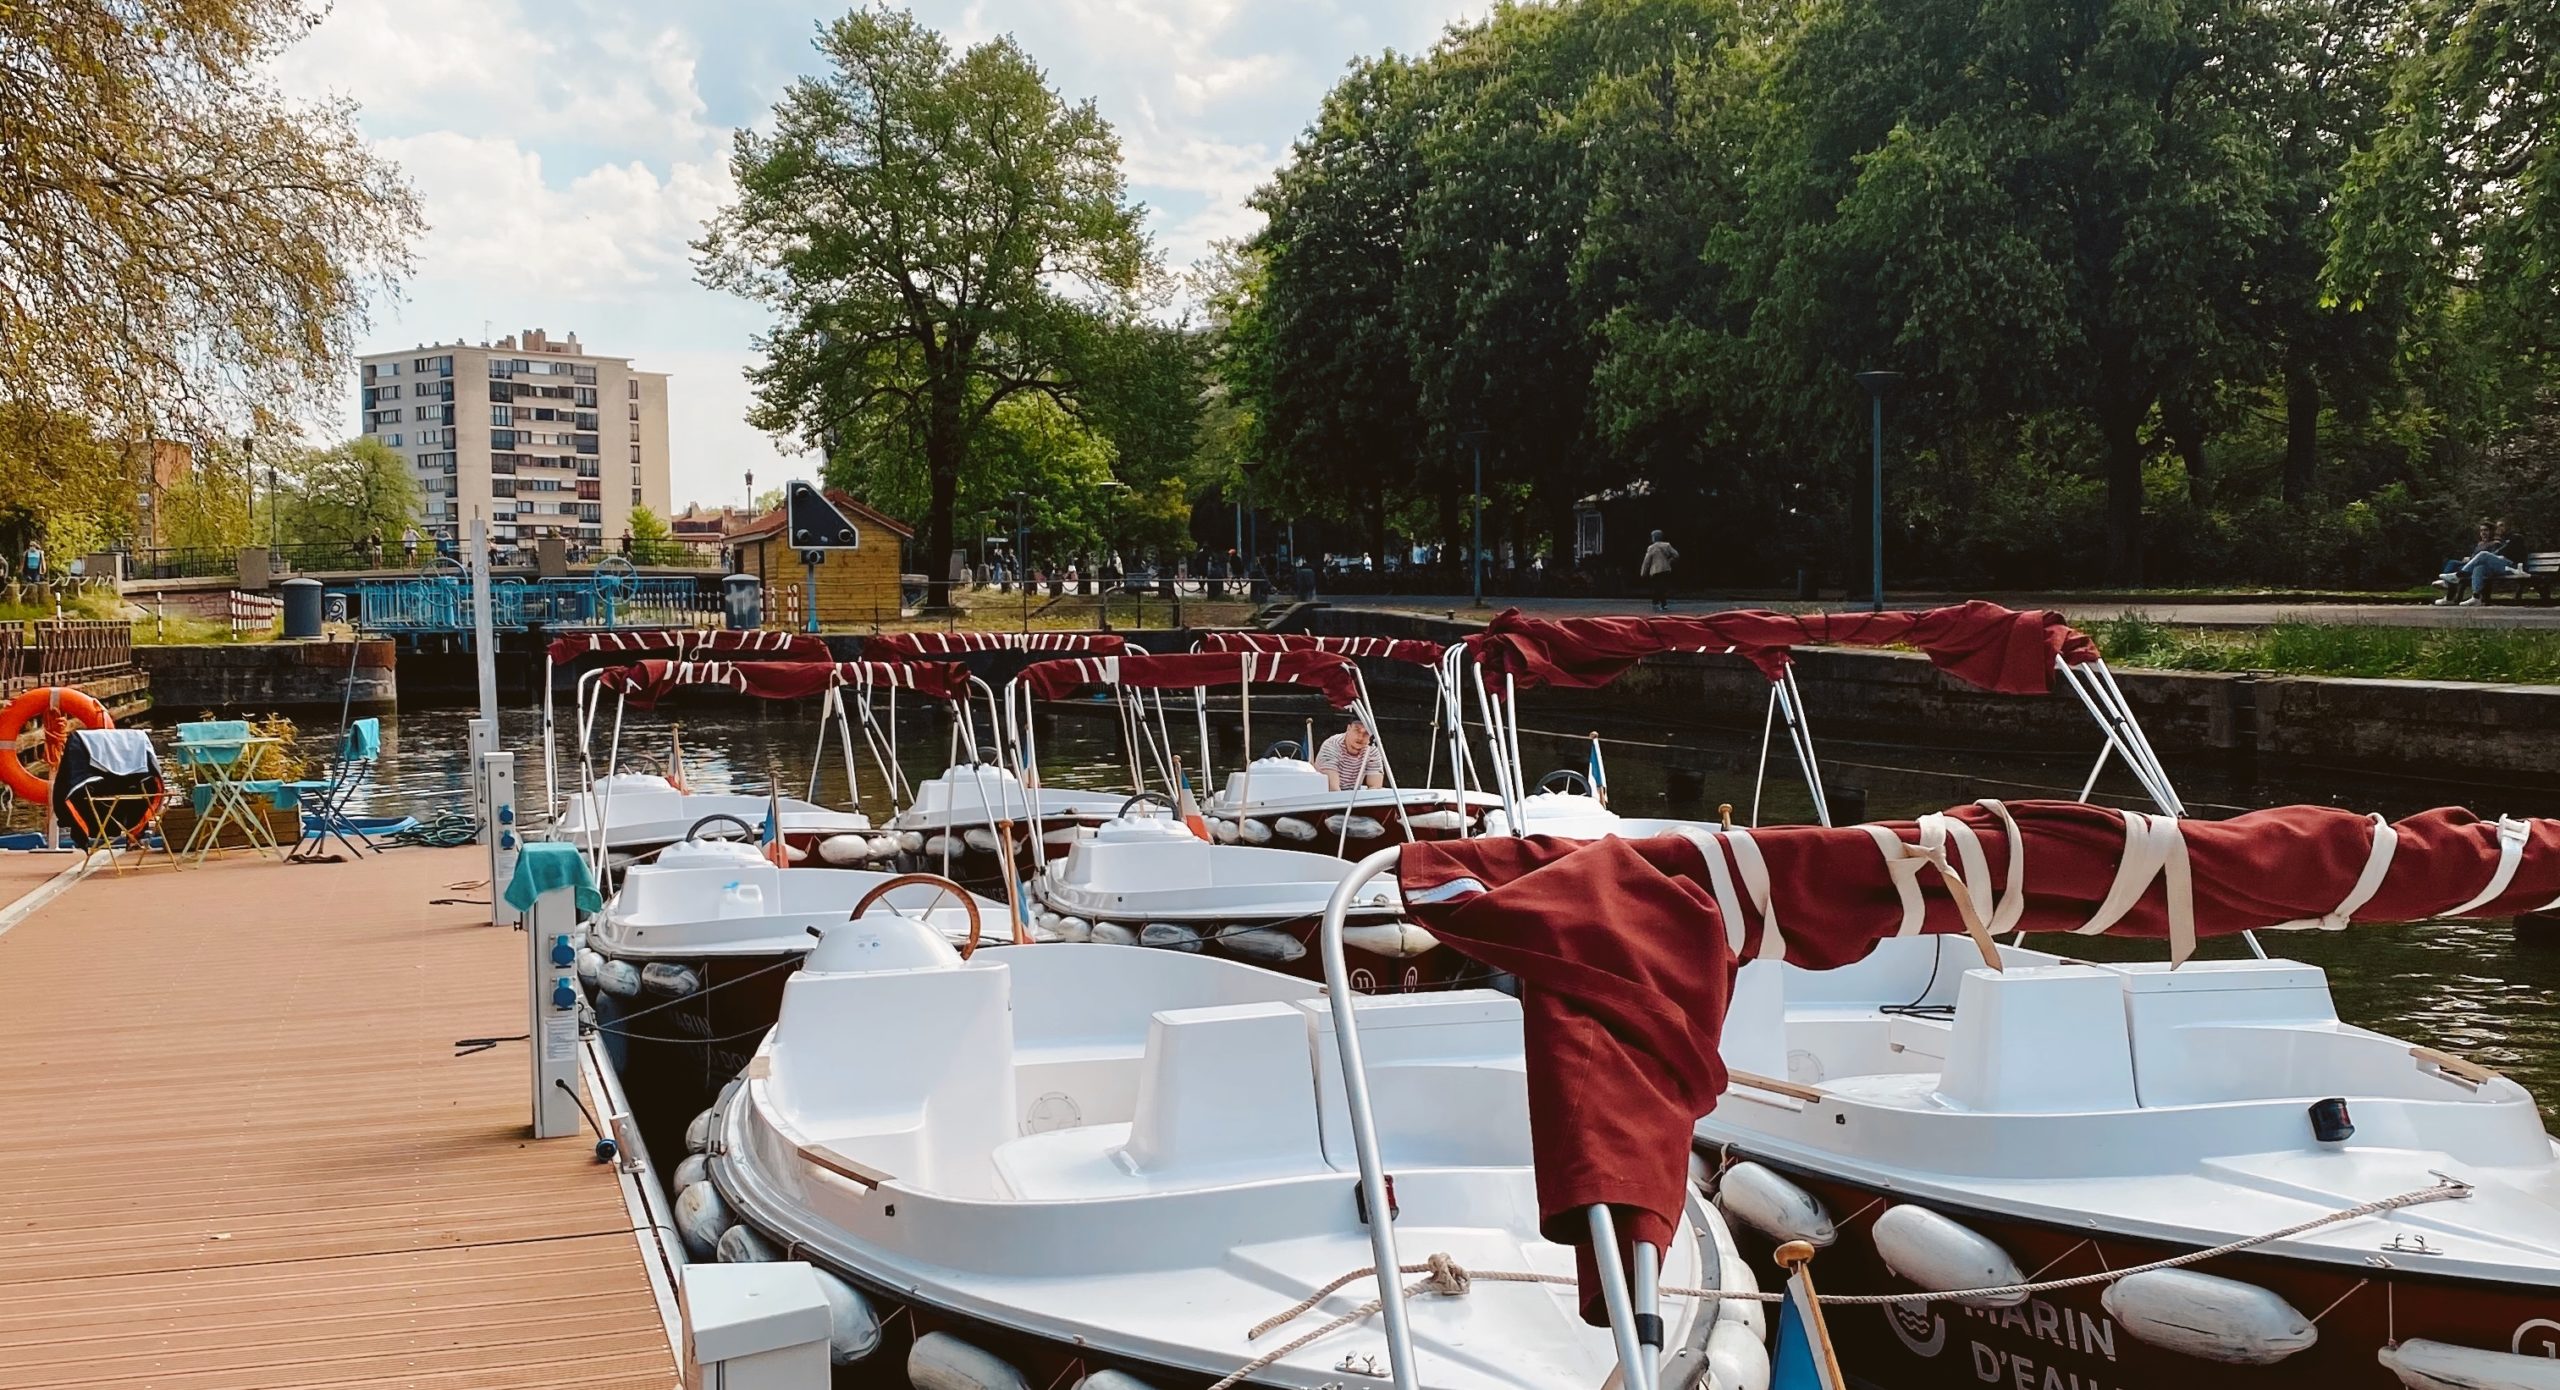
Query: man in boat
point(1349, 759)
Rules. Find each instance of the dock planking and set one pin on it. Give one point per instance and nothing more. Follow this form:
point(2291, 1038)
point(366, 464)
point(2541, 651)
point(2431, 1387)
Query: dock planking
point(243, 1154)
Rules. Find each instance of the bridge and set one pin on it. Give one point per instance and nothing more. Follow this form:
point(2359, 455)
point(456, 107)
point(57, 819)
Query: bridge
point(443, 603)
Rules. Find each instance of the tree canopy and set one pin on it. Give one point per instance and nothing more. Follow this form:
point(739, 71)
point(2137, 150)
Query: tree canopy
point(2178, 289)
point(942, 239)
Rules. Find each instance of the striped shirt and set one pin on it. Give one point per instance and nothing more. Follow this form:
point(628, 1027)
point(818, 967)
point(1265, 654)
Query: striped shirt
point(1344, 769)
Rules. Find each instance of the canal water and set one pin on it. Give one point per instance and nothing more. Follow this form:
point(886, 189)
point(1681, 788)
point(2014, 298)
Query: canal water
point(2468, 987)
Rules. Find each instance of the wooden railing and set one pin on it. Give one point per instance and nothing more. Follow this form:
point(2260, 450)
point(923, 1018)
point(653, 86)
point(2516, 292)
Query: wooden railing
point(13, 656)
point(74, 647)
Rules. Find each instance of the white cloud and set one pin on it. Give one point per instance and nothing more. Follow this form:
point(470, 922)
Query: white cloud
point(568, 150)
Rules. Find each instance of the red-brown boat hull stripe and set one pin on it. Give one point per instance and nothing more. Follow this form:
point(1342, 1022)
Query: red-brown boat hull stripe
point(751, 643)
point(1327, 672)
point(1627, 948)
point(1982, 644)
point(1414, 650)
point(645, 683)
point(914, 644)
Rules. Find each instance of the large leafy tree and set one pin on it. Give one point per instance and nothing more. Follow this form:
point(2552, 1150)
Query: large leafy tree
point(178, 241)
point(937, 234)
point(340, 494)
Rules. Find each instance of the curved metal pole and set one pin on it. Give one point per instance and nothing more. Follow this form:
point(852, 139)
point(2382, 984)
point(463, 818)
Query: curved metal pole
point(1760, 778)
point(1364, 1125)
point(1614, 1296)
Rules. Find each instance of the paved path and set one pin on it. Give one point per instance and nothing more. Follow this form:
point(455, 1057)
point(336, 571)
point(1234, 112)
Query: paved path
point(2508, 615)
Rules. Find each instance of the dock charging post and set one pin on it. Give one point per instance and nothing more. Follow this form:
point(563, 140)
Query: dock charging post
point(496, 781)
point(551, 995)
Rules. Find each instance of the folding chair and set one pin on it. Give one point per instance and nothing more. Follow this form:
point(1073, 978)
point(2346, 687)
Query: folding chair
point(109, 789)
point(219, 754)
point(325, 804)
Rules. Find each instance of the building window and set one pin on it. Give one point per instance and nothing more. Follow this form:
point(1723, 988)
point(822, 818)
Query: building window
point(635, 410)
point(388, 393)
point(634, 385)
point(391, 369)
point(635, 455)
point(635, 497)
point(502, 415)
point(502, 439)
point(393, 440)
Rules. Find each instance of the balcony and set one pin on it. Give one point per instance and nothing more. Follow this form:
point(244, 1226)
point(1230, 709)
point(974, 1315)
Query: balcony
point(590, 491)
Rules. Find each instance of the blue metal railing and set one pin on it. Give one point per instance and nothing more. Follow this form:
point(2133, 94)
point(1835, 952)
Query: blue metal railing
point(443, 603)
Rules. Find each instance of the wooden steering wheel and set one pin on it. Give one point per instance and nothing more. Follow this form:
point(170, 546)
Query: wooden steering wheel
point(968, 903)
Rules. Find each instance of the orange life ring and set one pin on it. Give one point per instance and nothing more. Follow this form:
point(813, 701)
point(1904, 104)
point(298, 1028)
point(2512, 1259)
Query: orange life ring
point(58, 706)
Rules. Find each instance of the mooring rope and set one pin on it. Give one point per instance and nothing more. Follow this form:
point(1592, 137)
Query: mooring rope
point(1446, 1277)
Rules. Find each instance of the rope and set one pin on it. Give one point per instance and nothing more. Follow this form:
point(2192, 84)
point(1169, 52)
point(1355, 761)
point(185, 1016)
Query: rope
point(1446, 1277)
point(446, 829)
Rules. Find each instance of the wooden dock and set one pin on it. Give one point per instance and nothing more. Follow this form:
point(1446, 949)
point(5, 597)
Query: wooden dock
point(240, 1151)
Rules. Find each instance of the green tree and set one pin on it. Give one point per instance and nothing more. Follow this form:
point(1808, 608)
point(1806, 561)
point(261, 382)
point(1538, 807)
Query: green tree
point(339, 495)
point(208, 509)
point(651, 542)
point(937, 235)
point(177, 241)
point(60, 484)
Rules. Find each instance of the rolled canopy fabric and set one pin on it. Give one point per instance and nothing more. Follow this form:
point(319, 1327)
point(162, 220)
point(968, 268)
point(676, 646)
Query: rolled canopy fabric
point(1413, 650)
point(914, 644)
point(644, 683)
point(1327, 672)
point(753, 644)
point(1982, 644)
point(1627, 949)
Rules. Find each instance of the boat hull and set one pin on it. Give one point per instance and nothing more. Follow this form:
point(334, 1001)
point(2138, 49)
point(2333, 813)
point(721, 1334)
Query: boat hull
point(674, 1058)
point(2068, 1340)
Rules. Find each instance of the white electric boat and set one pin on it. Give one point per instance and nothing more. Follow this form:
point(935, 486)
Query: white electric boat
point(2180, 1171)
point(686, 963)
point(1055, 1165)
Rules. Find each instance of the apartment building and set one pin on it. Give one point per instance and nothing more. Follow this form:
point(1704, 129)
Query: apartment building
point(538, 435)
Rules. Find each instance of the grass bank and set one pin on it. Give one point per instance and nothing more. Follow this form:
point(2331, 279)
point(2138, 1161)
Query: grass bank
point(2489, 655)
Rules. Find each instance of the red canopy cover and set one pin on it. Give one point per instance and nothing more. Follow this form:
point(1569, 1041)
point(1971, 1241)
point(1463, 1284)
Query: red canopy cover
point(1981, 644)
point(644, 683)
point(1328, 672)
point(753, 644)
point(912, 644)
point(1418, 652)
point(1627, 949)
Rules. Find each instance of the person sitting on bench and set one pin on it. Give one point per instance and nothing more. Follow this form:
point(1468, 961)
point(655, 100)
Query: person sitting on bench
point(2487, 564)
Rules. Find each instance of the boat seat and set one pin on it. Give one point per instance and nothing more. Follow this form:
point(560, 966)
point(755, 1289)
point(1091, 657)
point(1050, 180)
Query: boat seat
point(1447, 1082)
point(1066, 1165)
point(2039, 1039)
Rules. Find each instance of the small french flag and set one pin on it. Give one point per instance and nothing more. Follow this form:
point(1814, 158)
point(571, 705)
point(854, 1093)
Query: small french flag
point(774, 847)
point(1804, 1359)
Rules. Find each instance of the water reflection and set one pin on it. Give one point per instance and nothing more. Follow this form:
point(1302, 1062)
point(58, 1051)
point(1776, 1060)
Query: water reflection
point(2467, 987)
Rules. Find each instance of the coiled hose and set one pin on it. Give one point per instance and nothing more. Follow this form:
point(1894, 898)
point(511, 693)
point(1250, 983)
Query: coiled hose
point(446, 829)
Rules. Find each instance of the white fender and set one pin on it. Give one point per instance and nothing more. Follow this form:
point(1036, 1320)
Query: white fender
point(1255, 832)
point(1395, 939)
point(2208, 1317)
point(910, 841)
point(1045, 920)
point(666, 977)
point(590, 964)
point(2425, 1365)
point(1437, 820)
point(618, 977)
point(1073, 929)
point(701, 1218)
point(697, 1135)
point(1943, 1256)
point(1359, 827)
point(1114, 934)
point(979, 838)
point(1064, 837)
point(695, 1168)
point(1294, 828)
point(1112, 1380)
point(940, 1361)
point(1262, 945)
point(853, 1325)
point(1225, 830)
point(740, 1245)
point(1736, 1360)
point(845, 849)
point(936, 846)
point(1774, 1206)
point(578, 937)
point(1172, 936)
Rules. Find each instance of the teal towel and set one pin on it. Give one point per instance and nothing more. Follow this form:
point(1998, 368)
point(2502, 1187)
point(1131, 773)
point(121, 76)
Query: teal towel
point(281, 795)
point(547, 865)
point(216, 741)
point(363, 742)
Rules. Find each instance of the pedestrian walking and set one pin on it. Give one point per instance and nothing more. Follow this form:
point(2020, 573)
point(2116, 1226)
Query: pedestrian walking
point(1659, 558)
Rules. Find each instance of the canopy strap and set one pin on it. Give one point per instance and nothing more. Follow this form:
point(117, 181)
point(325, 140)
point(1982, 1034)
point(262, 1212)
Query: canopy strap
point(2512, 835)
point(2377, 865)
point(2154, 848)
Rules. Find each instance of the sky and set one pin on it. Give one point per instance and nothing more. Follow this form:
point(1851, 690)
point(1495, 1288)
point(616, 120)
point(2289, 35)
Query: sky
point(566, 151)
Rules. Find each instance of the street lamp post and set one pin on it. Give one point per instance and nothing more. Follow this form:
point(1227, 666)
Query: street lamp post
point(1877, 384)
point(1474, 439)
point(1022, 557)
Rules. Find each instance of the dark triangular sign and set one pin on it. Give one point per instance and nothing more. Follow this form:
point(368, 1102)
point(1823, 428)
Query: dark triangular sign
point(815, 524)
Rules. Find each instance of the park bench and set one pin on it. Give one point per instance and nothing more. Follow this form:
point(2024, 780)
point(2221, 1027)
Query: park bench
point(2539, 572)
